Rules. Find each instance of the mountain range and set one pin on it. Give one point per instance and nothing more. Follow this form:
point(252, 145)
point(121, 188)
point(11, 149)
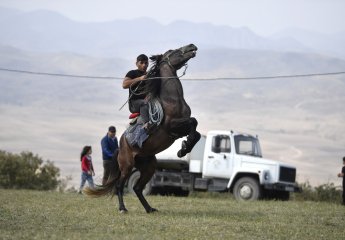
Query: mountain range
point(47, 31)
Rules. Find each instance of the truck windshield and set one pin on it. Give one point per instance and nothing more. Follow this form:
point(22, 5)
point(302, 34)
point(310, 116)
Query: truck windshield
point(247, 145)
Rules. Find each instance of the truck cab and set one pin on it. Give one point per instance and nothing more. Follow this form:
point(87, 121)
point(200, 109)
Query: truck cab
point(236, 158)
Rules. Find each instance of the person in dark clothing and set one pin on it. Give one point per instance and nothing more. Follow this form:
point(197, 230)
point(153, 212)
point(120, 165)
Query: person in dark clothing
point(342, 174)
point(109, 145)
point(135, 82)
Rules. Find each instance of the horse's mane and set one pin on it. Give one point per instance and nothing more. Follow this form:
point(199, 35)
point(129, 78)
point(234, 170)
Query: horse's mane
point(153, 83)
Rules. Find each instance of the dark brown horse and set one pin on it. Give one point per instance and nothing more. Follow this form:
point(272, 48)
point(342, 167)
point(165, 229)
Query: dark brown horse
point(164, 84)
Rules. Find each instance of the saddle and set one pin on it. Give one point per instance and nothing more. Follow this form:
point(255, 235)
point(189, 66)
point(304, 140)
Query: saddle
point(135, 133)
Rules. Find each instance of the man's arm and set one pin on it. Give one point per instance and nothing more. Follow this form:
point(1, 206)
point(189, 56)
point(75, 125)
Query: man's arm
point(127, 81)
point(105, 148)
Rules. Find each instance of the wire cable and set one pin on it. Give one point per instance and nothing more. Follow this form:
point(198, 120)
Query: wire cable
point(269, 77)
point(55, 74)
point(191, 79)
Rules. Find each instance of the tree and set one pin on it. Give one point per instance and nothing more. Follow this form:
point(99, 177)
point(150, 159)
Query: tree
point(27, 171)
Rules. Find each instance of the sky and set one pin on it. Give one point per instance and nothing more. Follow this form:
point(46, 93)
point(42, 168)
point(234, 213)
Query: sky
point(264, 17)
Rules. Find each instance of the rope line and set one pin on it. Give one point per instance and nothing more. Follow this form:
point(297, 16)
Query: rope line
point(191, 79)
point(155, 111)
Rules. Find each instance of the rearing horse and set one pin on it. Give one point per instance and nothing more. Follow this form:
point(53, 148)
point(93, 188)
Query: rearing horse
point(164, 84)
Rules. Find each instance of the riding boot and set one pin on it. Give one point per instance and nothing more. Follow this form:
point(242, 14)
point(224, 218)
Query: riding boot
point(144, 113)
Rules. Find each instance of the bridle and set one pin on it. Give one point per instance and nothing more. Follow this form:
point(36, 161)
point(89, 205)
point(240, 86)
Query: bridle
point(167, 59)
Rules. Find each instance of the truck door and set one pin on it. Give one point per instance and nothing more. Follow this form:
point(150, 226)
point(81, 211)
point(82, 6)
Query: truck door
point(219, 160)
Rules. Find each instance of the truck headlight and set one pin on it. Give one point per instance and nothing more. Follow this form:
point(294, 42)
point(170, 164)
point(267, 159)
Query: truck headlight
point(266, 176)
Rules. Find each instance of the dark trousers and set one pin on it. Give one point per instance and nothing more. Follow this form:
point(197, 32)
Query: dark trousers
point(140, 105)
point(107, 166)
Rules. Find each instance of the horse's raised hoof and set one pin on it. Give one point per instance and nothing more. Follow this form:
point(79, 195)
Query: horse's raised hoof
point(151, 210)
point(181, 153)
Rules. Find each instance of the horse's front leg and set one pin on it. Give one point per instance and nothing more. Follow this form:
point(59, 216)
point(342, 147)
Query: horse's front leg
point(192, 138)
point(147, 167)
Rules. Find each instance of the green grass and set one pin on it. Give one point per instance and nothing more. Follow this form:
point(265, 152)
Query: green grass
point(52, 215)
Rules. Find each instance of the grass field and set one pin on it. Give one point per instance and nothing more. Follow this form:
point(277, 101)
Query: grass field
point(52, 215)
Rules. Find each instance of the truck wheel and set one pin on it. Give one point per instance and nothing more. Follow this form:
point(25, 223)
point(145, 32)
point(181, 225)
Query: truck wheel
point(247, 189)
point(133, 180)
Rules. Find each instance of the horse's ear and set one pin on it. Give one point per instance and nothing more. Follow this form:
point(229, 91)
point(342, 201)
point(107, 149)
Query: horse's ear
point(156, 58)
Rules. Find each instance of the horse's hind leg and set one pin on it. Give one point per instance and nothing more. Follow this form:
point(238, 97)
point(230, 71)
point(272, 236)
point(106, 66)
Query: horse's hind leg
point(147, 167)
point(119, 187)
point(192, 138)
point(126, 166)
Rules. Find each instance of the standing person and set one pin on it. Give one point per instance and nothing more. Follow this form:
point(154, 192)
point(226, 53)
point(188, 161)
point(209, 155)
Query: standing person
point(86, 168)
point(109, 145)
point(135, 82)
point(342, 174)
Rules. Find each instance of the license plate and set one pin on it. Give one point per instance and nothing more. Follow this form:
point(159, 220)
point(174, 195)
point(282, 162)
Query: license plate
point(289, 189)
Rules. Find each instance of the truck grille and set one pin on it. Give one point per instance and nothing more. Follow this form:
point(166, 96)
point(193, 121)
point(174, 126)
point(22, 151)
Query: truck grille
point(287, 174)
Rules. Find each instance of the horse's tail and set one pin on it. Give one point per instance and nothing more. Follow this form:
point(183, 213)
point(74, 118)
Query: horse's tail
point(110, 187)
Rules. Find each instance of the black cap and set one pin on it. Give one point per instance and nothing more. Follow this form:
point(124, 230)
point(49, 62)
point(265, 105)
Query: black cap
point(112, 129)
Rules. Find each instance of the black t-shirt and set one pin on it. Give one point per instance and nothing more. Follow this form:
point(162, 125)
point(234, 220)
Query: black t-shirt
point(138, 87)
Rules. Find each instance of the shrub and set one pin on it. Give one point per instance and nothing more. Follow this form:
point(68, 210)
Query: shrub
point(327, 192)
point(27, 171)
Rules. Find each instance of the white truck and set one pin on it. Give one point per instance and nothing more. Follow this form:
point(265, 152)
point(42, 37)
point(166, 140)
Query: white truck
point(222, 161)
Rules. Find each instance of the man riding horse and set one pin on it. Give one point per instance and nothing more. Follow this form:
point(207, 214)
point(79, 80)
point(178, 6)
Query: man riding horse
point(135, 82)
point(163, 85)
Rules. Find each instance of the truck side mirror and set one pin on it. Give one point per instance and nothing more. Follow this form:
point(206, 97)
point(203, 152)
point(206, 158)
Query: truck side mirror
point(216, 144)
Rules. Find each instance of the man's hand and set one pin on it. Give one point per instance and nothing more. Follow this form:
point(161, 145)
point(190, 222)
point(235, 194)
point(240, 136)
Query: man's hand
point(142, 78)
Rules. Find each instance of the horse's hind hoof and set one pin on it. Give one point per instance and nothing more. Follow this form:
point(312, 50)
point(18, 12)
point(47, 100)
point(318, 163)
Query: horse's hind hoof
point(152, 210)
point(123, 211)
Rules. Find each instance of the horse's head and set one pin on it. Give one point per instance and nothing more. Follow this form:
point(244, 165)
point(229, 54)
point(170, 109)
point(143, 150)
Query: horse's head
point(178, 57)
point(175, 59)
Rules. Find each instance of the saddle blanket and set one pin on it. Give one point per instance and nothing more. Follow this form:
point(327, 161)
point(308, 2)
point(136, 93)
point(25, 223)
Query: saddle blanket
point(136, 135)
